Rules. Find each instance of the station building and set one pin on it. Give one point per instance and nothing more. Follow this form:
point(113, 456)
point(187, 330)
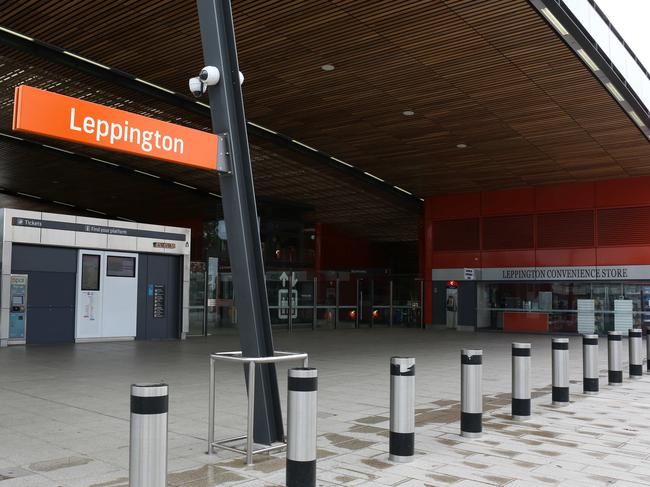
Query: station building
point(475, 165)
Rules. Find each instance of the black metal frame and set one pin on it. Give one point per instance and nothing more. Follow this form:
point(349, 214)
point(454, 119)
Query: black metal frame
point(586, 42)
point(240, 212)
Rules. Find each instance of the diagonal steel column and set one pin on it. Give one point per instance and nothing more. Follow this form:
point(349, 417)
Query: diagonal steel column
point(240, 212)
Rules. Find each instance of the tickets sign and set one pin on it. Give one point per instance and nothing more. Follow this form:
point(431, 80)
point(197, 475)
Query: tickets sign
point(49, 114)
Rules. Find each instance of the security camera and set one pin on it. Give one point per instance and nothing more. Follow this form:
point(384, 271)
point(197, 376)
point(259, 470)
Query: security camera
point(197, 87)
point(210, 75)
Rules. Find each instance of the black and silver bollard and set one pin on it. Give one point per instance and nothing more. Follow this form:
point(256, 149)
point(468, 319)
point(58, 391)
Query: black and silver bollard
point(148, 442)
point(521, 381)
point(302, 408)
point(635, 347)
point(614, 358)
point(402, 409)
point(560, 350)
point(647, 351)
point(471, 393)
point(590, 383)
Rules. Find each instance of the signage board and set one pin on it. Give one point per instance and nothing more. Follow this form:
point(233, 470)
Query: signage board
point(49, 114)
point(555, 273)
point(87, 228)
point(469, 274)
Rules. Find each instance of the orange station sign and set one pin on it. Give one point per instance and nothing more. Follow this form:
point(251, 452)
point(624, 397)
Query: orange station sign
point(62, 117)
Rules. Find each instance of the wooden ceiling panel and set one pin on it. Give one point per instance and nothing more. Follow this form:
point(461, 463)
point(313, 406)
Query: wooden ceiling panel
point(489, 74)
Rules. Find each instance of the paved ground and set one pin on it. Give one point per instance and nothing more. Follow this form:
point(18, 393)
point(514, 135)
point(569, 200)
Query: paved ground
point(64, 414)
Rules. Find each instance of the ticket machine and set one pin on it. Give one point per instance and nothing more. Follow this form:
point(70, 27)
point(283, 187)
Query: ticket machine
point(17, 306)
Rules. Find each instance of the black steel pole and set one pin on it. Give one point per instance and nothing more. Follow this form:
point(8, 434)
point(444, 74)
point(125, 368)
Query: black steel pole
point(240, 212)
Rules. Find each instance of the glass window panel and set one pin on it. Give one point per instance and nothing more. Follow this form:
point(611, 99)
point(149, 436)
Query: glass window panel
point(90, 272)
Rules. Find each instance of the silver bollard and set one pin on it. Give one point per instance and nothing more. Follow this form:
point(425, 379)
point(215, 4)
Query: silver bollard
point(302, 408)
point(647, 352)
point(148, 442)
point(635, 344)
point(560, 350)
point(590, 383)
point(521, 381)
point(402, 409)
point(614, 358)
point(471, 393)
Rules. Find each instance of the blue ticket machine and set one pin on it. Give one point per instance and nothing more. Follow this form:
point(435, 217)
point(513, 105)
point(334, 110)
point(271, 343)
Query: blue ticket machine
point(17, 306)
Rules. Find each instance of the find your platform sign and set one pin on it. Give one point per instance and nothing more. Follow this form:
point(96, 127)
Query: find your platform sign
point(62, 117)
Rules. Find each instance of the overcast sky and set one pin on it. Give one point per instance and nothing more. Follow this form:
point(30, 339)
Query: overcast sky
point(630, 18)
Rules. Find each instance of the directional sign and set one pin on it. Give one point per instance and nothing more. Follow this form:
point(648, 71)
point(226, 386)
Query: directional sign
point(41, 112)
point(284, 278)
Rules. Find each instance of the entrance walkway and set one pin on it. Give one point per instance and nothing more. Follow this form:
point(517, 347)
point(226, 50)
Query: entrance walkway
point(65, 414)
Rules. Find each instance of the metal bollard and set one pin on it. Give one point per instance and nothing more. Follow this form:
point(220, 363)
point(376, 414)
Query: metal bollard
point(635, 344)
point(647, 352)
point(402, 409)
point(590, 383)
point(521, 381)
point(301, 426)
point(614, 358)
point(471, 393)
point(560, 350)
point(148, 442)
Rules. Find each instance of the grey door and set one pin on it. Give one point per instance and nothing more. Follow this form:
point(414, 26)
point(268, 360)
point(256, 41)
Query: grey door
point(51, 285)
point(159, 295)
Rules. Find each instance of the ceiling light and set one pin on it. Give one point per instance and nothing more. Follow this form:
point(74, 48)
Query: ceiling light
point(327, 67)
point(408, 113)
point(588, 61)
point(553, 20)
point(461, 146)
point(636, 118)
point(614, 91)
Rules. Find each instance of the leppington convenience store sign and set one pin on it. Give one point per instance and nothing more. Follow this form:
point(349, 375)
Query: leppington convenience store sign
point(62, 117)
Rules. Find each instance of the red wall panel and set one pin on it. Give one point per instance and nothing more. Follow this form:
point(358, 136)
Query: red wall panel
point(508, 201)
point(461, 205)
point(623, 255)
point(559, 197)
point(450, 260)
point(565, 229)
point(623, 192)
point(509, 258)
point(558, 257)
point(456, 234)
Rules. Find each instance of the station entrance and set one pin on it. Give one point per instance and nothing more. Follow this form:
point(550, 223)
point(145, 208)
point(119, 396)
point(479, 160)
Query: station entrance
point(305, 299)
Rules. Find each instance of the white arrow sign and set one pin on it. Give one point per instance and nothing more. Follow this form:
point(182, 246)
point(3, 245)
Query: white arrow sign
point(284, 278)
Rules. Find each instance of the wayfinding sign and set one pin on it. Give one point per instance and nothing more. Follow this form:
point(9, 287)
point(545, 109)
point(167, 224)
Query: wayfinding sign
point(49, 114)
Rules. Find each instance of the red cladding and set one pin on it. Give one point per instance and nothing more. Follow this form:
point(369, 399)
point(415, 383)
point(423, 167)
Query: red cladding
point(623, 192)
point(552, 229)
point(604, 223)
point(456, 234)
point(508, 232)
point(624, 226)
point(508, 201)
point(565, 197)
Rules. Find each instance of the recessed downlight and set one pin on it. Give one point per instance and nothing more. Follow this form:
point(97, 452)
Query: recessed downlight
point(461, 146)
point(327, 67)
point(408, 113)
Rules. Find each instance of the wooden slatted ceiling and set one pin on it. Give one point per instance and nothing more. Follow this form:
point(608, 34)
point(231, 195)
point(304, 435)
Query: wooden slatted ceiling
point(490, 74)
point(280, 176)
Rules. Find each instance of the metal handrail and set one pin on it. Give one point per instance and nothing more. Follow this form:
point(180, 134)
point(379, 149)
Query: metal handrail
point(251, 362)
